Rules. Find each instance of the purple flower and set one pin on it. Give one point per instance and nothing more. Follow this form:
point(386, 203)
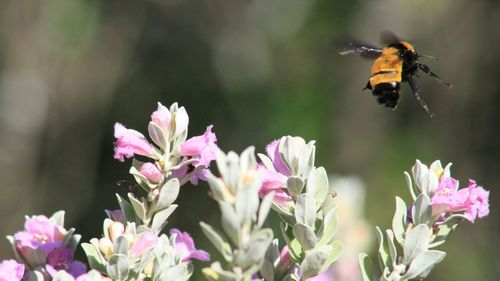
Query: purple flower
point(151, 172)
point(185, 248)
point(62, 259)
point(146, 241)
point(473, 200)
point(130, 142)
point(11, 270)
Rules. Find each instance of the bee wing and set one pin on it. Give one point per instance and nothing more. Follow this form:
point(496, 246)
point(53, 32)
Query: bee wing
point(353, 46)
point(388, 37)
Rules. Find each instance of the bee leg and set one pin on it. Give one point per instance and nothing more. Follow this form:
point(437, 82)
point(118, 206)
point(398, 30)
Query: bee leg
point(416, 93)
point(428, 71)
point(368, 86)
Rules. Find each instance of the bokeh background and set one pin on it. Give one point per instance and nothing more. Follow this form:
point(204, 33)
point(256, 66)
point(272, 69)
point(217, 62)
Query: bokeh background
point(257, 70)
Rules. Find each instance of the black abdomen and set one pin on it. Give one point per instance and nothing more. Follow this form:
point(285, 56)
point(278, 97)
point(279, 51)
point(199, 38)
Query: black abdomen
point(387, 94)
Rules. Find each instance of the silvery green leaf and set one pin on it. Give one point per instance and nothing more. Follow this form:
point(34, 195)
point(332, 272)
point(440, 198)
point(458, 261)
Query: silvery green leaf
point(120, 245)
point(174, 273)
point(422, 210)
point(73, 241)
point(58, 218)
point(423, 263)
point(337, 249)
point(160, 218)
point(247, 159)
point(105, 227)
point(311, 183)
point(233, 172)
point(168, 193)
point(295, 185)
point(35, 276)
point(139, 208)
point(314, 261)
point(267, 271)
point(219, 243)
point(94, 257)
point(399, 220)
point(285, 151)
point(132, 230)
point(117, 267)
point(157, 135)
point(383, 250)
point(11, 240)
point(322, 185)
point(67, 237)
point(247, 202)
point(265, 207)
point(217, 187)
point(445, 229)
point(305, 210)
point(429, 183)
point(128, 210)
point(367, 267)
point(273, 253)
point(230, 222)
point(417, 242)
point(329, 228)
point(287, 218)
point(392, 247)
point(266, 161)
point(251, 254)
point(410, 185)
point(305, 235)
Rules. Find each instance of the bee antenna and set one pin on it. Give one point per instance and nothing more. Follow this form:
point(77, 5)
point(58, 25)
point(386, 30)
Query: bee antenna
point(428, 57)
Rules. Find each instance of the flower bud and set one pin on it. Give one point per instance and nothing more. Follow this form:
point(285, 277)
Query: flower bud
point(151, 172)
point(115, 229)
point(106, 247)
point(162, 117)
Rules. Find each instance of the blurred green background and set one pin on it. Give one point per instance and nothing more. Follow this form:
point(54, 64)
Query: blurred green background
point(257, 70)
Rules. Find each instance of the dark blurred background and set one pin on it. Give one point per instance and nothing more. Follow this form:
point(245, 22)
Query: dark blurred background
point(257, 70)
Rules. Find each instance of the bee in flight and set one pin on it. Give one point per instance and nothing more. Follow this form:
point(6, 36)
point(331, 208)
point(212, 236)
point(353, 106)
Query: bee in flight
point(396, 63)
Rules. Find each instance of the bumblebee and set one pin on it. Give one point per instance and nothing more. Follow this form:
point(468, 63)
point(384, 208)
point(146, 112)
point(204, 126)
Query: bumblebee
point(394, 64)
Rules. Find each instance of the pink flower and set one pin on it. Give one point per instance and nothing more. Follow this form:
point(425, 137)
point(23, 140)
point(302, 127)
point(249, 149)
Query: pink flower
point(11, 270)
point(473, 200)
point(146, 241)
point(130, 142)
point(272, 150)
point(285, 259)
point(273, 181)
point(185, 249)
point(41, 236)
point(151, 172)
point(162, 117)
point(203, 147)
point(62, 259)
